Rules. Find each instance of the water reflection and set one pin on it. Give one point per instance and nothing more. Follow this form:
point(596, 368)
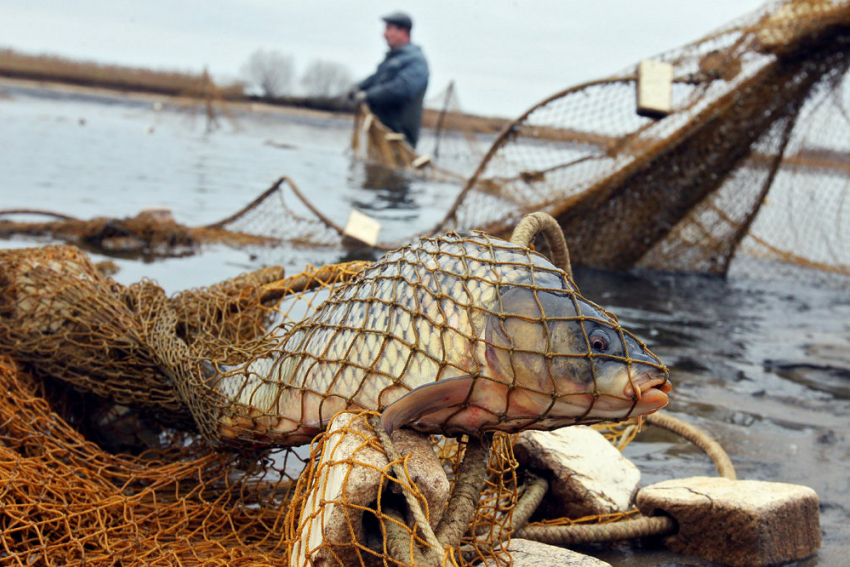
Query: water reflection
point(388, 188)
point(356, 253)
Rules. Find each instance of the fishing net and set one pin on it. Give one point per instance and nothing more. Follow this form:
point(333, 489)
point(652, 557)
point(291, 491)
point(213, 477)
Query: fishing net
point(373, 142)
point(751, 155)
point(745, 171)
point(134, 345)
point(460, 140)
point(154, 233)
point(117, 446)
point(67, 501)
point(151, 232)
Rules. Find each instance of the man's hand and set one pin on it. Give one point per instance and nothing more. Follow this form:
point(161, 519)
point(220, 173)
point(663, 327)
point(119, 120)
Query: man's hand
point(356, 95)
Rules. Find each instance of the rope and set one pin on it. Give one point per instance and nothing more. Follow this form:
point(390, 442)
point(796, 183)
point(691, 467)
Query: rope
point(531, 498)
point(436, 549)
point(466, 494)
point(463, 501)
point(544, 224)
point(699, 438)
point(250, 206)
point(399, 541)
point(36, 212)
point(599, 533)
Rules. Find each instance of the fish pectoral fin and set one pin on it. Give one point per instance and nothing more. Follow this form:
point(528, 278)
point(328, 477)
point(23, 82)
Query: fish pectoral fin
point(426, 399)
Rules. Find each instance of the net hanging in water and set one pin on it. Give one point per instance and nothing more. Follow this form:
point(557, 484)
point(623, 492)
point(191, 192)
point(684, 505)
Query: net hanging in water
point(748, 163)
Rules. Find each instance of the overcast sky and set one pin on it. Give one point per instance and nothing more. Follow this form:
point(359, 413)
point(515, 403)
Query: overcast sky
point(504, 55)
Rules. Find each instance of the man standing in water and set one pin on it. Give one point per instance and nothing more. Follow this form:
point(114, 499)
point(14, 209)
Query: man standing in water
point(396, 91)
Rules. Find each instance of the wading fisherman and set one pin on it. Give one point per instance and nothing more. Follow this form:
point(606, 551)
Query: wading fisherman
point(396, 91)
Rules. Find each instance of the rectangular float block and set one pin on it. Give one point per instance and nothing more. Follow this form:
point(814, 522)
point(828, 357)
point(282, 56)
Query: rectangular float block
point(741, 523)
point(654, 88)
point(587, 475)
point(421, 161)
point(362, 228)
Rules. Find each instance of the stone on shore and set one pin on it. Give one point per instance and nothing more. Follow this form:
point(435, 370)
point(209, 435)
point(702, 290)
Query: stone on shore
point(587, 475)
point(527, 553)
point(741, 523)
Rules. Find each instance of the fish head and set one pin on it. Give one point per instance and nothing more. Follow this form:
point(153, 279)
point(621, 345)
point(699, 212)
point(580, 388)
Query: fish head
point(567, 361)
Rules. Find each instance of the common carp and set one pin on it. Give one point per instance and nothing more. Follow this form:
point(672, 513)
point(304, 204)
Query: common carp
point(460, 333)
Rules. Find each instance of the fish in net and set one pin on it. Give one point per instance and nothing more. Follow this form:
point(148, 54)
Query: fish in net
point(455, 334)
point(136, 355)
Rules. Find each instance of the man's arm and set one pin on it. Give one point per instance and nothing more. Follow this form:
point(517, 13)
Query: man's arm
point(408, 82)
point(367, 82)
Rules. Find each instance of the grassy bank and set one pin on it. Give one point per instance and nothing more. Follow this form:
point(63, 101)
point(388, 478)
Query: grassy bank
point(114, 77)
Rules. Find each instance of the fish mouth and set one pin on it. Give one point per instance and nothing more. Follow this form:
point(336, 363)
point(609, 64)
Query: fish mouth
point(649, 392)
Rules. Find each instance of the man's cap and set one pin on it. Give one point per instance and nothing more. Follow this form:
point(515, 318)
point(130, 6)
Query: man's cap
point(399, 19)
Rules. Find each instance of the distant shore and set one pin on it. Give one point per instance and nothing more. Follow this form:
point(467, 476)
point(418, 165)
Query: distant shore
point(61, 73)
point(185, 88)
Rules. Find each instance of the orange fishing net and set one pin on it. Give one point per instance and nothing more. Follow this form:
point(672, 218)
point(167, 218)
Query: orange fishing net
point(66, 501)
point(117, 448)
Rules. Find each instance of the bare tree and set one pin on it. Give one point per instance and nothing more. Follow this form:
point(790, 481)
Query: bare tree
point(272, 71)
point(326, 78)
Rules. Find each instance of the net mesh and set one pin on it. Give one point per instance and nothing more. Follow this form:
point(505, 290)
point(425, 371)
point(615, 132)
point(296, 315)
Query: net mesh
point(117, 446)
point(139, 428)
point(66, 501)
point(748, 163)
point(754, 143)
point(501, 334)
point(458, 137)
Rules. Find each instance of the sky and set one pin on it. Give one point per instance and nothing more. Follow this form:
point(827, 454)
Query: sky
point(503, 55)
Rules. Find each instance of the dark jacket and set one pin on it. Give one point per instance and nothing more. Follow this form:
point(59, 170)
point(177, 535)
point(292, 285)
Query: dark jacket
point(396, 91)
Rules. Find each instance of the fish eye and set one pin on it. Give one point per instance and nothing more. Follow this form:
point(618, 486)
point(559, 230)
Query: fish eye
point(599, 340)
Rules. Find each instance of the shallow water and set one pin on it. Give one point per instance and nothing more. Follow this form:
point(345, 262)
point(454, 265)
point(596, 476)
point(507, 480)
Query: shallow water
point(762, 366)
